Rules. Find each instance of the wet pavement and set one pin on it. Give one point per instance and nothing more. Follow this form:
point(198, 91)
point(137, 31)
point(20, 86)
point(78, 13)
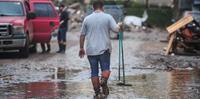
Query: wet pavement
point(177, 84)
point(66, 76)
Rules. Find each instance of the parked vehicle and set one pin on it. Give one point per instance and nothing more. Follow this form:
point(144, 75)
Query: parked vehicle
point(115, 10)
point(23, 23)
point(187, 7)
point(110, 7)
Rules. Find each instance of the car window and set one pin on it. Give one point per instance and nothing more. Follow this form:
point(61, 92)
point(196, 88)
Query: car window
point(115, 10)
point(11, 8)
point(44, 10)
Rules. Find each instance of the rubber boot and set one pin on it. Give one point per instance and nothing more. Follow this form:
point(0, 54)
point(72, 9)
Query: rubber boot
point(48, 47)
point(43, 47)
point(104, 80)
point(96, 86)
point(63, 48)
point(59, 45)
point(104, 86)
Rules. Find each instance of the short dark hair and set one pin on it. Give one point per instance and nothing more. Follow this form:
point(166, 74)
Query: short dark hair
point(98, 4)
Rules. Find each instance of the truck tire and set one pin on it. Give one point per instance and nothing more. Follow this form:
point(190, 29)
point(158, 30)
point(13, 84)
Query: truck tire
point(33, 49)
point(25, 50)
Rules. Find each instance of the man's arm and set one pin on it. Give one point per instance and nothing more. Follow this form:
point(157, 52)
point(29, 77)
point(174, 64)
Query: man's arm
point(115, 27)
point(64, 17)
point(82, 39)
point(82, 51)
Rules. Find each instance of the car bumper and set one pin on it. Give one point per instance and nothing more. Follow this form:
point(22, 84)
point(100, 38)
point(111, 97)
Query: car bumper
point(12, 42)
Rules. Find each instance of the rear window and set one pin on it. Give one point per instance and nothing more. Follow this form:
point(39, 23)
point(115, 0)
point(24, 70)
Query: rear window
point(44, 10)
point(115, 10)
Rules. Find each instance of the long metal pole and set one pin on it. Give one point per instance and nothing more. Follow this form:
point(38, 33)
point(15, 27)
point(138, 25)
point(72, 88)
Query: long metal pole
point(121, 58)
point(119, 68)
point(122, 49)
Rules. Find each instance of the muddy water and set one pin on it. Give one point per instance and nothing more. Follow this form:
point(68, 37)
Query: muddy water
point(177, 84)
point(57, 76)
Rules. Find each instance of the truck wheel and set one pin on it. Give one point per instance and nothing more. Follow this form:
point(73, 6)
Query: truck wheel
point(33, 49)
point(25, 50)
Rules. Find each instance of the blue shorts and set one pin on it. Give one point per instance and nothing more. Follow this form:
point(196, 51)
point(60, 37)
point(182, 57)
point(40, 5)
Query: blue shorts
point(62, 34)
point(103, 60)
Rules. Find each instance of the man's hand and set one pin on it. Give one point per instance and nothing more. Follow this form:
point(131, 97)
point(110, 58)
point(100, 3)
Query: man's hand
point(81, 53)
point(120, 25)
point(61, 22)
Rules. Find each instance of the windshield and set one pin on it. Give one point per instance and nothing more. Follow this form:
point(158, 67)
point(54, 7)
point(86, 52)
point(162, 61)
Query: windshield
point(11, 8)
point(115, 10)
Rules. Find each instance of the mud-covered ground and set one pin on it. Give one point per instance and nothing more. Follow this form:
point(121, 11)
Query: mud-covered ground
point(66, 76)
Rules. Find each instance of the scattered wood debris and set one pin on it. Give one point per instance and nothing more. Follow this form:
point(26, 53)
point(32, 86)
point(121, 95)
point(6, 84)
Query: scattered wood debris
point(184, 35)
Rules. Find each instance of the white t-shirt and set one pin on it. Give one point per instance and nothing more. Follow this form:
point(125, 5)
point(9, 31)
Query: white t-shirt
point(96, 27)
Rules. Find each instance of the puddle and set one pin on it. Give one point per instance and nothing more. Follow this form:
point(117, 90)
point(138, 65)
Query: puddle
point(61, 74)
point(177, 84)
point(43, 90)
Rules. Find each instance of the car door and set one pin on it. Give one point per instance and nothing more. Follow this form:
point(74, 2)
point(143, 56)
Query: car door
point(46, 21)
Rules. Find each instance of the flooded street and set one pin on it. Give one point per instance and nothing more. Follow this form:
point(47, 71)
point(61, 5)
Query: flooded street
point(66, 76)
point(178, 84)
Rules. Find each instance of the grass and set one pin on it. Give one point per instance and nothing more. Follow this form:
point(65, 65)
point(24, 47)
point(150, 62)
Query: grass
point(158, 16)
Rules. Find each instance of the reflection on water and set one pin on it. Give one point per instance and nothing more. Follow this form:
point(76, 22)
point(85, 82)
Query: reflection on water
point(178, 84)
point(59, 73)
point(59, 87)
point(47, 90)
point(63, 74)
point(185, 84)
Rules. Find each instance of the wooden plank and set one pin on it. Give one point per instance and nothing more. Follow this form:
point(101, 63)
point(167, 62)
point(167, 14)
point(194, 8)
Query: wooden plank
point(182, 22)
point(169, 47)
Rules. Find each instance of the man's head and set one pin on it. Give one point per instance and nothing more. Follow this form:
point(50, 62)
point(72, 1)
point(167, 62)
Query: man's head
point(98, 5)
point(61, 7)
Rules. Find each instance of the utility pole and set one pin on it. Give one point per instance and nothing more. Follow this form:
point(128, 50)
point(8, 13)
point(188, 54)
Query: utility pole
point(147, 4)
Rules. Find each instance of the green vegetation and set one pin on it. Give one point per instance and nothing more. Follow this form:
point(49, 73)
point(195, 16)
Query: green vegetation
point(158, 16)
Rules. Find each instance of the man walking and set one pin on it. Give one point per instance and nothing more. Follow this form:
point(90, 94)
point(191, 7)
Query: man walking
point(96, 29)
point(64, 17)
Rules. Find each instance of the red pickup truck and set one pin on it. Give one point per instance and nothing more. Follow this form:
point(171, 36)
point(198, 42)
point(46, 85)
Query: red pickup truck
point(23, 23)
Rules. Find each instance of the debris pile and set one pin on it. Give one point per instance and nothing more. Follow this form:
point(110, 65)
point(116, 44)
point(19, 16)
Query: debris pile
point(76, 15)
point(184, 37)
